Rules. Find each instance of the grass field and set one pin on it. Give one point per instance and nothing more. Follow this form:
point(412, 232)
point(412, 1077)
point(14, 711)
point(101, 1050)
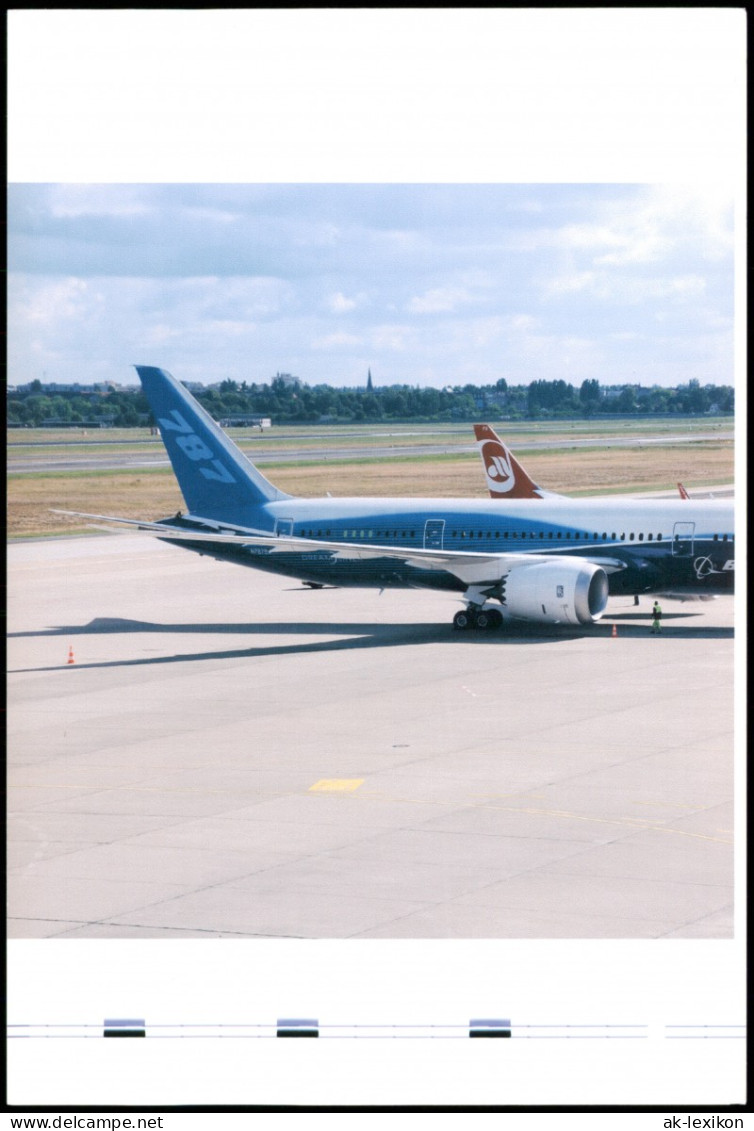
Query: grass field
point(601, 470)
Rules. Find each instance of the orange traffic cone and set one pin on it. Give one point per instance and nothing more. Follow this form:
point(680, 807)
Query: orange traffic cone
point(614, 633)
point(70, 656)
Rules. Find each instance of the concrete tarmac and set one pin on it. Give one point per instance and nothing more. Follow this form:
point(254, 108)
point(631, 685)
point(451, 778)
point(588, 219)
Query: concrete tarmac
point(232, 754)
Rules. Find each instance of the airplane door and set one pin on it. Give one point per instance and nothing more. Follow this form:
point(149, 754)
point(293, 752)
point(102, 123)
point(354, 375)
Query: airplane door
point(683, 539)
point(433, 533)
point(284, 527)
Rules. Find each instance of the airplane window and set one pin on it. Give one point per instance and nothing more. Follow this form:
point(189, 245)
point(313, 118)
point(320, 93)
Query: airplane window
point(560, 534)
point(725, 537)
point(649, 537)
point(641, 537)
point(623, 537)
point(631, 536)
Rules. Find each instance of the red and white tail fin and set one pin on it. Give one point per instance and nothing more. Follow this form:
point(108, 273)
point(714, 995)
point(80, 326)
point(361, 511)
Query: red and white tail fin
point(683, 492)
point(505, 477)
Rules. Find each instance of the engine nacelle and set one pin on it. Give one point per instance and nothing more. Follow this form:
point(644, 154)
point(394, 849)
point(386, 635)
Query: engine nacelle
point(568, 591)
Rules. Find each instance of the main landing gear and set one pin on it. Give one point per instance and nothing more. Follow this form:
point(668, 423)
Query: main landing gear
point(482, 619)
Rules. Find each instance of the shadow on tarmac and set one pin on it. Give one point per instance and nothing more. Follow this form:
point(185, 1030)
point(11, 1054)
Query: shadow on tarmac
point(360, 635)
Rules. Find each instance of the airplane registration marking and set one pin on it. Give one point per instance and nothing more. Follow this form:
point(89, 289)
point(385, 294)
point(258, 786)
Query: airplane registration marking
point(194, 447)
point(336, 785)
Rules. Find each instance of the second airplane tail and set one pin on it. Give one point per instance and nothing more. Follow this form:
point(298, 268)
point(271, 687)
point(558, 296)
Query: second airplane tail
point(216, 479)
point(504, 475)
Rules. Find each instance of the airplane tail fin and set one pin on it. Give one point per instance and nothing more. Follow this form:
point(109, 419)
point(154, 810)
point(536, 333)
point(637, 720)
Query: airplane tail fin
point(505, 477)
point(216, 479)
point(683, 492)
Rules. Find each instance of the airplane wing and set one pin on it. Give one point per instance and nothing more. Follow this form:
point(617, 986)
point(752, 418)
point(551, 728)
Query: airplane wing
point(469, 566)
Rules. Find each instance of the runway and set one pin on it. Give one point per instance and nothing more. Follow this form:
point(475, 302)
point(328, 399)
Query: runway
point(231, 754)
point(99, 455)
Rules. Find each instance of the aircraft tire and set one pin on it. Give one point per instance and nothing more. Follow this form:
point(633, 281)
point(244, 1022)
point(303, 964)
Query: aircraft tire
point(463, 619)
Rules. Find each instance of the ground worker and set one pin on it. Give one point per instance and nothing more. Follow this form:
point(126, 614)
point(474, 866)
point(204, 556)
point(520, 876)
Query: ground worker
point(656, 617)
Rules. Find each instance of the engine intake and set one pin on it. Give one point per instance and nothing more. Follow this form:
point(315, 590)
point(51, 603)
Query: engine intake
point(565, 591)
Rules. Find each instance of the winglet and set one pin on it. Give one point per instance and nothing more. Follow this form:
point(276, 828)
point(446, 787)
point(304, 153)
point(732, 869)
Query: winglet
point(683, 492)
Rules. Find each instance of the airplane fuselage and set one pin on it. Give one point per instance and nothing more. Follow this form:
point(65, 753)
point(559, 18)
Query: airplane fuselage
point(647, 545)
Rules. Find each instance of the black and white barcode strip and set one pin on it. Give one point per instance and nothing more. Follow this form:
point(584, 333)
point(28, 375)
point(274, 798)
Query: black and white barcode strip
point(297, 1027)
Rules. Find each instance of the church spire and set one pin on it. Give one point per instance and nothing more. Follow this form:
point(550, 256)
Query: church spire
point(369, 381)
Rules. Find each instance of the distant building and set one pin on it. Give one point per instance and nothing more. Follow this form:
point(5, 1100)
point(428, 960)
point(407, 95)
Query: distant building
point(245, 420)
point(370, 387)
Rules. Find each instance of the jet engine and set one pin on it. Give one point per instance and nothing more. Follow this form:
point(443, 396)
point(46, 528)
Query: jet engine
point(561, 591)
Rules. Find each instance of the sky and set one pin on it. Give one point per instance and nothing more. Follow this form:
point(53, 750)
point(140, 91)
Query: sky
point(423, 284)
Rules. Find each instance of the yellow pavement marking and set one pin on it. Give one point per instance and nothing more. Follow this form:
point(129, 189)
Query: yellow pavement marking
point(336, 785)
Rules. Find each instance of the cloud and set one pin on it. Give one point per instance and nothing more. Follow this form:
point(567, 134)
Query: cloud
point(339, 304)
point(439, 300)
point(333, 341)
point(460, 282)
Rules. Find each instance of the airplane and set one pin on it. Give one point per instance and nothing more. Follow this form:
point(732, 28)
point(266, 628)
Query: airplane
point(504, 475)
point(553, 561)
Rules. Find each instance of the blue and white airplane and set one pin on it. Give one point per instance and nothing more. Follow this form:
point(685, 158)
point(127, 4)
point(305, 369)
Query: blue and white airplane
point(545, 560)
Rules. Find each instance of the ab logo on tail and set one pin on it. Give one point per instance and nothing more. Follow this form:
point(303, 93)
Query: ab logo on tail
point(498, 467)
